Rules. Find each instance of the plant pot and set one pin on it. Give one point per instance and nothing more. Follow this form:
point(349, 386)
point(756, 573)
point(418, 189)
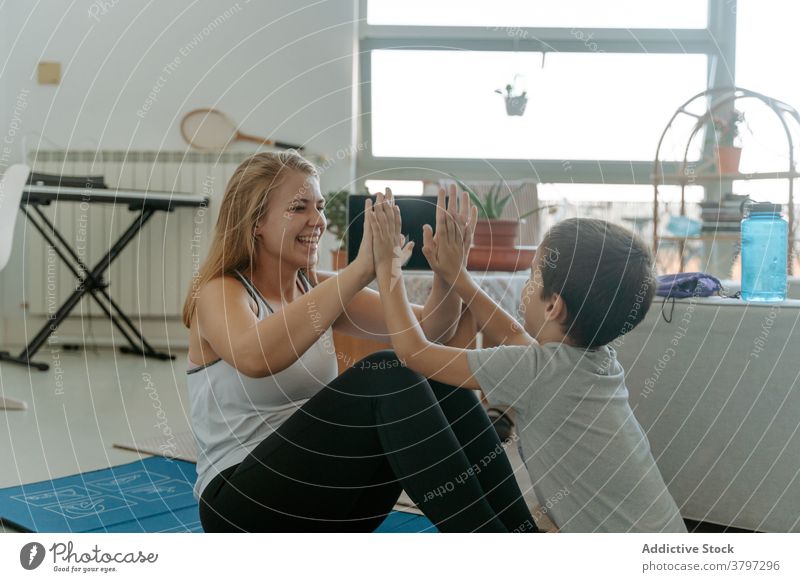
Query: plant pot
point(496, 232)
point(500, 258)
point(728, 159)
point(516, 105)
point(339, 259)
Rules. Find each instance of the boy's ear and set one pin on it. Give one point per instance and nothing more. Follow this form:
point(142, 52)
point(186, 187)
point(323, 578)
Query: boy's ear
point(555, 309)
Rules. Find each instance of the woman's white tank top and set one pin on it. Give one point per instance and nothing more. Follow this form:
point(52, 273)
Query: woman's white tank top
point(232, 413)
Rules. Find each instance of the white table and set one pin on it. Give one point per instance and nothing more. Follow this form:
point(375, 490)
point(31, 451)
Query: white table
point(718, 393)
point(504, 287)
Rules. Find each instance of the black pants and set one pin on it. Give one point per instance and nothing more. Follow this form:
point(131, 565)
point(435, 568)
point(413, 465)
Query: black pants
point(340, 462)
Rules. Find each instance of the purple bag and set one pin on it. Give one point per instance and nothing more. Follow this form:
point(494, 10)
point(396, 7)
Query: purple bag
point(682, 285)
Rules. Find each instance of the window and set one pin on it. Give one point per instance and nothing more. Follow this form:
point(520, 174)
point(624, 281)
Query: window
point(601, 79)
point(580, 105)
point(540, 13)
point(765, 39)
point(629, 205)
point(399, 187)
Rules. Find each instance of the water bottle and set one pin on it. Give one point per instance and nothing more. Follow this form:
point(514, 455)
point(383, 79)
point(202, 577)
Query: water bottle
point(764, 252)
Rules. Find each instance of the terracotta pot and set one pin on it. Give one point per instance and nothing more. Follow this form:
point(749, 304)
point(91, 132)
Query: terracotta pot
point(728, 159)
point(339, 259)
point(500, 258)
point(496, 232)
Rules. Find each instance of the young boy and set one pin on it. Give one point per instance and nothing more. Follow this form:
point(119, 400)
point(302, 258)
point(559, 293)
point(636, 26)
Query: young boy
point(592, 281)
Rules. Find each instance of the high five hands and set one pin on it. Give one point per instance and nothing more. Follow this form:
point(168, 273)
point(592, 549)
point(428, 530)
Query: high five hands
point(446, 250)
point(390, 251)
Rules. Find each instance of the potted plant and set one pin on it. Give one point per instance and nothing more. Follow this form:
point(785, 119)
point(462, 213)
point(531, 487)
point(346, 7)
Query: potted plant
point(515, 104)
point(492, 230)
point(728, 150)
point(336, 215)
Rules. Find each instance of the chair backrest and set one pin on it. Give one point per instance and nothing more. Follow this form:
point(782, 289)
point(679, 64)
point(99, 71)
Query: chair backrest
point(11, 185)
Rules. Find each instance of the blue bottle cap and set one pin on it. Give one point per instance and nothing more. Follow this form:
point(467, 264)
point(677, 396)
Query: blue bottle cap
point(762, 207)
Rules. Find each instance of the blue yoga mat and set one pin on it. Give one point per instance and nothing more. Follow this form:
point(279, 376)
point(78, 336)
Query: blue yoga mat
point(147, 496)
point(400, 522)
point(150, 495)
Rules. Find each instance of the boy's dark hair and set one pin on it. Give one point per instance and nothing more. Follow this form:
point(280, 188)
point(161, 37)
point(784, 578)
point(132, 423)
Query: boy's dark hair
point(603, 272)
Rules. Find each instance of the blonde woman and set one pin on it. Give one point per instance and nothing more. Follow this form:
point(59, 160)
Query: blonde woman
point(286, 444)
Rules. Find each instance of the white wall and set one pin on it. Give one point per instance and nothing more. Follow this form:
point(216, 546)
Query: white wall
point(130, 70)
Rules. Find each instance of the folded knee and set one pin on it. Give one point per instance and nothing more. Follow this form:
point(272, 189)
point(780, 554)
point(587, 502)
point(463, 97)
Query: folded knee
point(381, 360)
point(386, 372)
point(385, 361)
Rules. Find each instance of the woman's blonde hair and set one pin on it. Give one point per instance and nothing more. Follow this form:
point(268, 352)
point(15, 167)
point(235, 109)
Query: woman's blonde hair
point(243, 205)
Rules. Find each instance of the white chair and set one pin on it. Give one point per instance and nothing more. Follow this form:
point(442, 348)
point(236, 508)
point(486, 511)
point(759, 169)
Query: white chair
point(11, 186)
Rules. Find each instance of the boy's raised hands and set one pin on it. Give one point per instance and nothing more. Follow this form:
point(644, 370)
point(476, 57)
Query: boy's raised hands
point(447, 250)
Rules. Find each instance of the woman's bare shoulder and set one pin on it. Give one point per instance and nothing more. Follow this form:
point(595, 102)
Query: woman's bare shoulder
point(222, 290)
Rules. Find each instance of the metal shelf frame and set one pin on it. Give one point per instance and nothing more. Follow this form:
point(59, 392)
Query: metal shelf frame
point(718, 100)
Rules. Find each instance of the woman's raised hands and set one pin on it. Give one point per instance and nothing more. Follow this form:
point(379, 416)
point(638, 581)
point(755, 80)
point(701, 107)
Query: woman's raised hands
point(389, 247)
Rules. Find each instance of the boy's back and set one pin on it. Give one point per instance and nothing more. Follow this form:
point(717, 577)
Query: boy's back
point(588, 458)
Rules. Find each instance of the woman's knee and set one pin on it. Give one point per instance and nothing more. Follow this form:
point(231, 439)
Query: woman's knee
point(380, 360)
point(383, 361)
point(381, 372)
point(446, 392)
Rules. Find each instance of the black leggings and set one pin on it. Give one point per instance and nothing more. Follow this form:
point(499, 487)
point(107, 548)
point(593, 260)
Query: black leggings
point(339, 463)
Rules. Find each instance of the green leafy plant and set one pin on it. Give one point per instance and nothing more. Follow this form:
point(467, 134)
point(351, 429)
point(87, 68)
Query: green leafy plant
point(510, 92)
point(336, 214)
point(726, 126)
point(491, 205)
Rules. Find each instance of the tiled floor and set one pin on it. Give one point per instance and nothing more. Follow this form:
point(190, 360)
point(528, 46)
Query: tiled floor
point(94, 398)
point(76, 411)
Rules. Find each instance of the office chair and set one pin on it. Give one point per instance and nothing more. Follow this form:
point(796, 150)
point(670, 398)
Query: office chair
point(11, 186)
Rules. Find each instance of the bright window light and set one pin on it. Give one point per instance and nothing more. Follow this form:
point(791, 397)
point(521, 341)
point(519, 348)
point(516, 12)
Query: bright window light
point(399, 187)
point(766, 35)
point(775, 191)
point(581, 193)
point(628, 205)
point(442, 104)
point(513, 14)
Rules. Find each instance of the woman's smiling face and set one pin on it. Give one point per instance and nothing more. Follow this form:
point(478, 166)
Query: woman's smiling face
point(294, 221)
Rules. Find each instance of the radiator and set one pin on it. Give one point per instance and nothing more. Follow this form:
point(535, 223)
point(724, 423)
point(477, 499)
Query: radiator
point(152, 275)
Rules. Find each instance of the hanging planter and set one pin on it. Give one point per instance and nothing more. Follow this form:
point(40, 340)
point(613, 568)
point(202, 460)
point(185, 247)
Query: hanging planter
point(515, 104)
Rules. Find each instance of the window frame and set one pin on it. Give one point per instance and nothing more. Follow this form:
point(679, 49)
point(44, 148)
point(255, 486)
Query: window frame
point(717, 42)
